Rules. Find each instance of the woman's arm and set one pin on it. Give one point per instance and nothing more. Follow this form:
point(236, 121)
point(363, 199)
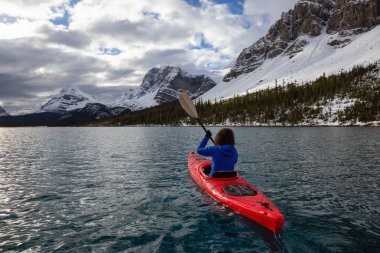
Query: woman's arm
point(202, 149)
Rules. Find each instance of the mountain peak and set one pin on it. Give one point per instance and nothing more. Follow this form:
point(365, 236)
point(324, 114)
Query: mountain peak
point(70, 89)
point(69, 98)
point(164, 84)
point(158, 76)
point(169, 81)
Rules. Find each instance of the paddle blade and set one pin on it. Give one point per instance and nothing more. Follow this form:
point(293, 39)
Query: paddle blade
point(188, 105)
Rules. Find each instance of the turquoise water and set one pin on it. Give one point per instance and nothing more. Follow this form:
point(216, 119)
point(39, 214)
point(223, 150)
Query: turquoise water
point(128, 190)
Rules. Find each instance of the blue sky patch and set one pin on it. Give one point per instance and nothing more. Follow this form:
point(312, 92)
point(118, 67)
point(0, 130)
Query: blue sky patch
point(235, 6)
point(194, 3)
point(110, 51)
point(74, 2)
point(64, 20)
point(203, 44)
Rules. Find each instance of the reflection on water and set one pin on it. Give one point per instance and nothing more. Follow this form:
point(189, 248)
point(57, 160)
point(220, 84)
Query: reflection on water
point(128, 189)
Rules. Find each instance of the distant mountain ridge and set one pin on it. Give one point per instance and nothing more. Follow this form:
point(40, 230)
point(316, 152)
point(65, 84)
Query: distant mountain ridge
point(71, 105)
point(159, 86)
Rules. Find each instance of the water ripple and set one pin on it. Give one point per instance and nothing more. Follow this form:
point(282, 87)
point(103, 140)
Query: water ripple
point(128, 190)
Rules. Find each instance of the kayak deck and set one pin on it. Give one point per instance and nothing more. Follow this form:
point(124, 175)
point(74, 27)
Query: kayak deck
point(236, 193)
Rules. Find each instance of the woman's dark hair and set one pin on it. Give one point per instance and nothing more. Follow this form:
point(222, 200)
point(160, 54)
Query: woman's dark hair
point(225, 137)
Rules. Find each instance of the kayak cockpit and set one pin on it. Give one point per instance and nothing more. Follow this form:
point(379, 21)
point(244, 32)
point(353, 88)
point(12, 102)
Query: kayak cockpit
point(219, 174)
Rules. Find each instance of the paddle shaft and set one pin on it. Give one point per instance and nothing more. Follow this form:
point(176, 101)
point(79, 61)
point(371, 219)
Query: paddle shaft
point(199, 121)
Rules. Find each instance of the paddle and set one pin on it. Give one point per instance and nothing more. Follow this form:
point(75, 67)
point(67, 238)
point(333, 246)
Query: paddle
point(189, 107)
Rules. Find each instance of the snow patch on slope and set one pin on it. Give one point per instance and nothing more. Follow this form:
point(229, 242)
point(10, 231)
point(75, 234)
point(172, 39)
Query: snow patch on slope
point(316, 58)
point(131, 101)
point(25, 111)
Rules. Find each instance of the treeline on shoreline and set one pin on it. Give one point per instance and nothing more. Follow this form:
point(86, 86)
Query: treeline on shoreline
point(285, 104)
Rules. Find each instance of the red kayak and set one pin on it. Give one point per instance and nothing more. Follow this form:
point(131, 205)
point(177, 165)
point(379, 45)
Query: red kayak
point(236, 193)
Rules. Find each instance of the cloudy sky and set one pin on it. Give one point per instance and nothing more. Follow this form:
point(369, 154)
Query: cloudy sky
point(104, 46)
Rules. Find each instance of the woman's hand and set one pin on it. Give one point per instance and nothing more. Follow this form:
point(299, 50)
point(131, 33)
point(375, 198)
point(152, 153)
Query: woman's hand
point(208, 134)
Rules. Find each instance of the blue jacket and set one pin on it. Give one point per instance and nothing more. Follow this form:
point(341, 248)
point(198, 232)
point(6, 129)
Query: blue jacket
point(224, 157)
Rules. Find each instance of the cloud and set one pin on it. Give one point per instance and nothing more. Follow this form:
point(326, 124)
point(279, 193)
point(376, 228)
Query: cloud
point(148, 32)
point(71, 38)
point(115, 74)
point(18, 92)
point(29, 69)
point(33, 9)
point(109, 44)
point(105, 94)
point(162, 57)
point(266, 12)
point(32, 56)
point(15, 86)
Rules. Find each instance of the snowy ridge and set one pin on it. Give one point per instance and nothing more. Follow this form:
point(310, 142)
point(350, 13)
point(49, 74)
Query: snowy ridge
point(316, 58)
point(131, 101)
point(68, 99)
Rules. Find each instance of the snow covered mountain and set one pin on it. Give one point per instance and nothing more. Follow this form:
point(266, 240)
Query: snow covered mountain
point(163, 85)
point(3, 113)
point(68, 99)
point(70, 106)
point(72, 103)
point(317, 37)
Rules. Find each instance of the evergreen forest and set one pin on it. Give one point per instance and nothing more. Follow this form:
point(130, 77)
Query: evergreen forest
point(310, 103)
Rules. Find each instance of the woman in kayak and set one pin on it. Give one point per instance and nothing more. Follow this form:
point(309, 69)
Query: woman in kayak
point(224, 154)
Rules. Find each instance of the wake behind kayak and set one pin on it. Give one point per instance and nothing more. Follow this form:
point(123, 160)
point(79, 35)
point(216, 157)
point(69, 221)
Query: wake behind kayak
point(236, 193)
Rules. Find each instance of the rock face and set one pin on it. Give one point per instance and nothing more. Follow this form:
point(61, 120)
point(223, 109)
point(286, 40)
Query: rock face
point(163, 85)
point(3, 113)
point(171, 81)
point(308, 18)
point(353, 16)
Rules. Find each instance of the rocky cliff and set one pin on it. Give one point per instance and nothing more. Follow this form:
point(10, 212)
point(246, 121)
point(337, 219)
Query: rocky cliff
point(308, 18)
point(171, 81)
point(353, 16)
point(163, 85)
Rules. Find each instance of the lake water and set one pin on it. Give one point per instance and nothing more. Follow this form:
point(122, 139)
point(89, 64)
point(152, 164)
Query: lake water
point(128, 189)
